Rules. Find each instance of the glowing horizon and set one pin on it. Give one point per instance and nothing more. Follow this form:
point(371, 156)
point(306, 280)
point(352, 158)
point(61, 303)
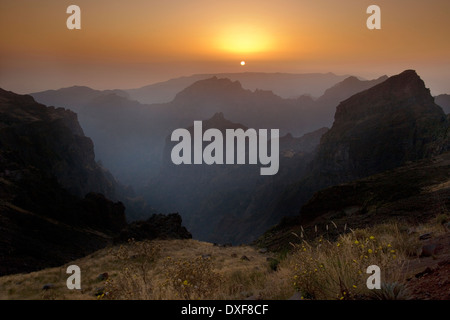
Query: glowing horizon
point(138, 42)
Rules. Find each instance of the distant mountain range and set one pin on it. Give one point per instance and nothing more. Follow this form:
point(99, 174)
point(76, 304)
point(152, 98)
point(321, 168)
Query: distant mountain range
point(129, 136)
point(285, 85)
point(378, 125)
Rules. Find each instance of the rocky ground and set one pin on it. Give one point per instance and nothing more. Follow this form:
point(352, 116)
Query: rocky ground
point(429, 275)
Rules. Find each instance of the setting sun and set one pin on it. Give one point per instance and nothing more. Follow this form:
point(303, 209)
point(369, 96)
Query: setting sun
point(242, 63)
point(245, 39)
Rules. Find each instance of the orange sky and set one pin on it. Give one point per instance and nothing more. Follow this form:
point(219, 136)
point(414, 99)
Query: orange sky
point(126, 44)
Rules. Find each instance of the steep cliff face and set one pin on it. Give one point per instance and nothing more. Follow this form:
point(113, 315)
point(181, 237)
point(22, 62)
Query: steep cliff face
point(375, 130)
point(49, 212)
point(51, 140)
point(382, 128)
point(325, 106)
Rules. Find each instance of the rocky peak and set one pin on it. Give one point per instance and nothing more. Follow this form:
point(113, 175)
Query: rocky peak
point(51, 140)
point(406, 90)
point(214, 87)
point(218, 121)
point(381, 128)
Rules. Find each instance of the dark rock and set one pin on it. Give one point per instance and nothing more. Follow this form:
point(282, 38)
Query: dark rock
point(425, 236)
point(263, 250)
point(158, 226)
point(48, 286)
point(444, 262)
point(360, 142)
point(428, 250)
point(48, 167)
point(103, 276)
point(245, 258)
point(428, 270)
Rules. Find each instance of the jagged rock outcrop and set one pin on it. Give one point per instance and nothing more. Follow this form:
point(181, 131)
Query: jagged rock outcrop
point(158, 226)
point(51, 140)
point(376, 130)
point(48, 211)
point(382, 128)
point(325, 106)
point(53, 195)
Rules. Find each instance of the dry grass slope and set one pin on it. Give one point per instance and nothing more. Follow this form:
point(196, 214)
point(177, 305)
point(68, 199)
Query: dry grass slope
point(316, 268)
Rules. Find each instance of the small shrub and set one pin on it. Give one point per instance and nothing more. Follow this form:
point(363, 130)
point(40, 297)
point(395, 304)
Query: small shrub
point(337, 270)
point(191, 279)
point(132, 282)
point(390, 291)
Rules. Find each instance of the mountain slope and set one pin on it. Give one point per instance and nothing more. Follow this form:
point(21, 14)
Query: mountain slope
point(48, 211)
point(325, 105)
point(382, 128)
point(410, 194)
point(376, 130)
point(52, 141)
point(443, 101)
point(53, 207)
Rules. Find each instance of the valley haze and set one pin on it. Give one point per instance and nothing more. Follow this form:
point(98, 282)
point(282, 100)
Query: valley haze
point(237, 149)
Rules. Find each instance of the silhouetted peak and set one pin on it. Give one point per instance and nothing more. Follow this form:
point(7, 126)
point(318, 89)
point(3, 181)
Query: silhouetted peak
point(218, 116)
point(16, 108)
point(382, 127)
point(351, 79)
point(218, 121)
point(405, 90)
point(214, 87)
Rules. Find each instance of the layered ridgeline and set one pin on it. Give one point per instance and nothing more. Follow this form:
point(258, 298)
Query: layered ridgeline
point(54, 204)
point(379, 129)
point(130, 136)
point(285, 85)
point(218, 202)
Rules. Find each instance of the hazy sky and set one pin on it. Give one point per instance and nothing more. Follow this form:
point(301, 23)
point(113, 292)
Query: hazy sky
point(128, 44)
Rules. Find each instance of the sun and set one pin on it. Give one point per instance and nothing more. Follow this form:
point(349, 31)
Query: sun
point(244, 40)
point(242, 63)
